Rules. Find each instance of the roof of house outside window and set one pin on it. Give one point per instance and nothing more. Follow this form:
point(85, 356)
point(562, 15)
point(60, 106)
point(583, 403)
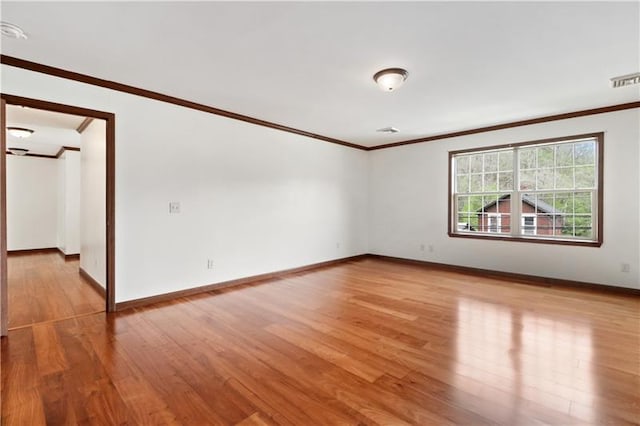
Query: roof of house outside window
point(540, 206)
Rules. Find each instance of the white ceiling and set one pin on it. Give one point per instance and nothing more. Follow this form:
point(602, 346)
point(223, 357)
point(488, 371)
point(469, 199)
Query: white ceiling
point(309, 65)
point(52, 130)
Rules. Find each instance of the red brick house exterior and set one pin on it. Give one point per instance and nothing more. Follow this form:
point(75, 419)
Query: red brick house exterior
point(496, 217)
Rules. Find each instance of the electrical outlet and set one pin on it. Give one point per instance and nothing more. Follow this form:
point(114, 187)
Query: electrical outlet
point(625, 267)
point(174, 207)
point(430, 248)
point(209, 263)
point(421, 247)
point(337, 245)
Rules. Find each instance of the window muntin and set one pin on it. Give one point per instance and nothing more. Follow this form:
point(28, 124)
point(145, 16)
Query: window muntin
point(551, 189)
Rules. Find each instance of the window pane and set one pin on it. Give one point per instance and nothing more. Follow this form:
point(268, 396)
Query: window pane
point(463, 223)
point(544, 179)
point(505, 161)
point(578, 226)
point(527, 179)
point(490, 203)
point(475, 163)
point(475, 202)
point(585, 153)
point(463, 204)
point(547, 218)
point(544, 202)
point(493, 214)
point(505, 181)
point(527, 158)
point(491, 162)
point(563, 203)
point(476, 183)
point(462, 164)
point(546, 157)
point(582, 202)
point(585, 177)
point(564, 178)
point(564, 155)
point(462, 183)
point(583, 226)
point(490, 182)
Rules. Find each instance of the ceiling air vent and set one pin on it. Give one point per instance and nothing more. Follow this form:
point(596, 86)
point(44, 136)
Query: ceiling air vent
point(626, 80)
point(388, 130)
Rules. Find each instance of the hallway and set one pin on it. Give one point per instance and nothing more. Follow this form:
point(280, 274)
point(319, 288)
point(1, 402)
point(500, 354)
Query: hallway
point(44, 287)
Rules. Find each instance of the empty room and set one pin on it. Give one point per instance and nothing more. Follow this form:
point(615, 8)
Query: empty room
point(320, 213)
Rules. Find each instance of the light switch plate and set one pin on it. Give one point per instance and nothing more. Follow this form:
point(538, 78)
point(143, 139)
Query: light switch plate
point(174, 207)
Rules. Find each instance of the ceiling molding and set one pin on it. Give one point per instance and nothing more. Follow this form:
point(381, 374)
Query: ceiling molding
point(527, 122)
point(65, 148)
point(34, 155)
point(81, 128)
point(83, 78)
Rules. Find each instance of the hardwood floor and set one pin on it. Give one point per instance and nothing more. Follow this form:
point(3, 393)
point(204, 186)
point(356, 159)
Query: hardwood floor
point(365, 342)
point(44, 287)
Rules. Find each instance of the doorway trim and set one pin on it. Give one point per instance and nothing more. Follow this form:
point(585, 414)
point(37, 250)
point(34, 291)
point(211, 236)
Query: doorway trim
point(110, 147)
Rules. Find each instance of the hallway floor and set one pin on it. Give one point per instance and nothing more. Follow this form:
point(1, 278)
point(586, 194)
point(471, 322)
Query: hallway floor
point(43, 287)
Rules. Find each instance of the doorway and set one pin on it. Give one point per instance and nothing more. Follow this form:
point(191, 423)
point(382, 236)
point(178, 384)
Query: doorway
point(104, 124)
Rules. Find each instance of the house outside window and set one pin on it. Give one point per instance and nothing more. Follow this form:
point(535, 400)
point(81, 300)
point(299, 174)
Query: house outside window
point(546, 191)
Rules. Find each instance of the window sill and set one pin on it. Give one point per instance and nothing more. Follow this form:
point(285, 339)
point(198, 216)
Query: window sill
point(585, 243)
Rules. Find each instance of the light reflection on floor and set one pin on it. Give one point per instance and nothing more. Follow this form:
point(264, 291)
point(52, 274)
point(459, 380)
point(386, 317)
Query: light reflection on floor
point(524, 360)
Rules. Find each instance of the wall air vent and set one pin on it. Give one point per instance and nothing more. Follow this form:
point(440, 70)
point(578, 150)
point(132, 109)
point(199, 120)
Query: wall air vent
point(626, 80)
point(388, 130)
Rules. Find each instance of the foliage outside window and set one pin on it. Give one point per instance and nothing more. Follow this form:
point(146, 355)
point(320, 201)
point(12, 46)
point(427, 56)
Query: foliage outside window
point(541, 191)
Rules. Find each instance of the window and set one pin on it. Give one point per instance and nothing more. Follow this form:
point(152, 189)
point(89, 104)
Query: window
point(529, 224)
point(494, 222)
point(541, 191)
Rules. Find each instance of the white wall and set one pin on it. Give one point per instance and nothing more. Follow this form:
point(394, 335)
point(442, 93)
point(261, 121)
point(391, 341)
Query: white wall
point(69, 202)
point(92, 211)
point(253, 199)
point(31, 202)
point(257, 200)
point(409, 206)
point(72, 202)
point(61, 202)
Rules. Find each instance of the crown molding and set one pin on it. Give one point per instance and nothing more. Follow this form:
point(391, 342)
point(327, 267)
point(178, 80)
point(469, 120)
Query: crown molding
point(95, 81)
point(120, 87)
point(527, 122)
point(85, 123)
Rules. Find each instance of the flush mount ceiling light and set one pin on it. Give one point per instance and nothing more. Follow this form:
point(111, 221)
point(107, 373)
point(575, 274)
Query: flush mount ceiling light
point(19, 132)
point(18, 151)
point(389, 129)
point(626, 80)
point(12, 31)
point(390, 79)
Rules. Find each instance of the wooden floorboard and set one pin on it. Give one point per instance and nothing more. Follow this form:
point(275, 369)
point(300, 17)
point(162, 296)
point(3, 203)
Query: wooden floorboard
point(43, 287)
point(366, 342)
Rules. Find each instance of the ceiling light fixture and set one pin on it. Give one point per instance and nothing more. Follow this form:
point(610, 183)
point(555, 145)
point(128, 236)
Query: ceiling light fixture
point(391, 78)
point(626, 80)
point(19, 132)
point(18, 151)
point(389, 129)
point(12, 31)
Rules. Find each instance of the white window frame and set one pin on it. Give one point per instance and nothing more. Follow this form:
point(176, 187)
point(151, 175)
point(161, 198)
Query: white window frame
point(498, 218)
point(517, 232)
point(523, 226)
